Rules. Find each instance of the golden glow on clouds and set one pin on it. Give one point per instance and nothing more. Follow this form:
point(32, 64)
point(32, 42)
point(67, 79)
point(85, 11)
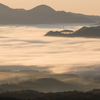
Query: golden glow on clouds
point(79, 6)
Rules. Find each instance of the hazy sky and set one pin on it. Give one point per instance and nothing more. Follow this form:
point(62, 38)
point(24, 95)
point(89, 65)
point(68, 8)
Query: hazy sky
point(89, 7)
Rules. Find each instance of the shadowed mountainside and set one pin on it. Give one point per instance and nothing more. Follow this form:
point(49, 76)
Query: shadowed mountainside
point(42, 14)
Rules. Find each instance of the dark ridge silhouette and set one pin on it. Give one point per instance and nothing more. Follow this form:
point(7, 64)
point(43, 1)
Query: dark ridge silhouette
point(43, 85)
point(35, 95)
point(89, 32)
point(92, 17)
point(9, 98)
point(95, 91)
point(44, 8)
point(46, 81)
point(59, 33)
point(74, 96)
point(32, 94)
point(42, 14)
point(56, 33)
point(48, 85)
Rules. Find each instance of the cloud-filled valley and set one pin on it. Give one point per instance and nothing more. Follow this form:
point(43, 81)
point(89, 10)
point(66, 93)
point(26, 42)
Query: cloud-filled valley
point(27, 46)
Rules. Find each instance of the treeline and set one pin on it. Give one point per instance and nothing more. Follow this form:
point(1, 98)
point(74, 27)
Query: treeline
point(35, 95)
point(8, 98)
point(76, 96)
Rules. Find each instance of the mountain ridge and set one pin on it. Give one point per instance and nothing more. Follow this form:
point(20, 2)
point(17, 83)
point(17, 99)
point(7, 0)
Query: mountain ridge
point(41, 14)
point(87, 32)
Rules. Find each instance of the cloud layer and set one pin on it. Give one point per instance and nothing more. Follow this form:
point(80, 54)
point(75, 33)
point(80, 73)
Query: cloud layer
point(27, 46)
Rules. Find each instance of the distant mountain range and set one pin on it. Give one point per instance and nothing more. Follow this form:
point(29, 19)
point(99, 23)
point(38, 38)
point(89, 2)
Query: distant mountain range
point(42, 14)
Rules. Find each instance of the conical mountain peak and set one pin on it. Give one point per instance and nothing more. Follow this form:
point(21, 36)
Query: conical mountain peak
point(43, 8)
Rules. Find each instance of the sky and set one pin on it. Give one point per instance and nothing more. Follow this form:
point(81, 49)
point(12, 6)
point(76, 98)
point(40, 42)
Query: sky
point(89, 7)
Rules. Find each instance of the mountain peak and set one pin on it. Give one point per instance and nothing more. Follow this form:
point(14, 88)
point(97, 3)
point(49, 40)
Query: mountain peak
point(3, 6)
point(42, 8)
